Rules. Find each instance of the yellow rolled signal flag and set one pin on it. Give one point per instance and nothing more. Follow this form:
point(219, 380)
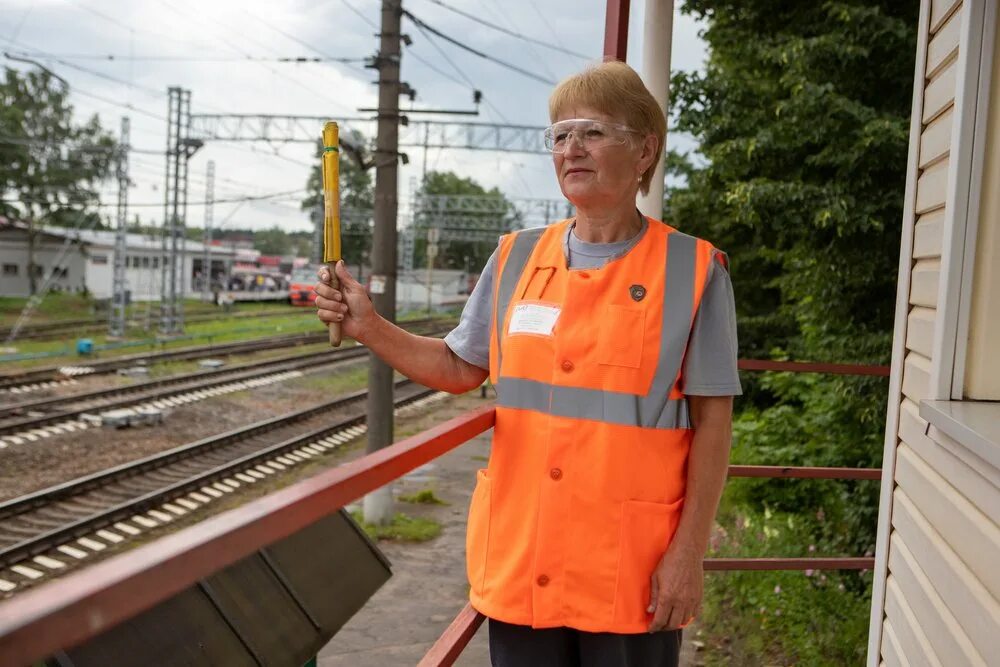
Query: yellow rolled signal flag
point(331, 212)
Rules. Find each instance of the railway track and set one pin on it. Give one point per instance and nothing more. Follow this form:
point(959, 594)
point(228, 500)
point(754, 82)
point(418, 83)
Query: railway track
point(27, 380)
point(50, 531)
point(24, 381)
point(56, 329)
point(31, 420)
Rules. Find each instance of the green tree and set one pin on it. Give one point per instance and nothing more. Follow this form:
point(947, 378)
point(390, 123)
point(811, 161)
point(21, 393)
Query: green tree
point(273, 241)
point(50, 167)
point(357, 196)
point(469, 227)
point(802, 119)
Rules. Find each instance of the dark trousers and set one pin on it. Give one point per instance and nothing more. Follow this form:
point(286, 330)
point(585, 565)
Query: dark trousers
point(523, 646)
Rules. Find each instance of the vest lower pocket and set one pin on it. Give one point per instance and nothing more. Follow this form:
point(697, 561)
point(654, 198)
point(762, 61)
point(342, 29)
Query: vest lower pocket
point(646, 531)
point(477, 535)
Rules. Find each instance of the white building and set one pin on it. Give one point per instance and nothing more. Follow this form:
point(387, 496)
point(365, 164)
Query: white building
point(86, 262)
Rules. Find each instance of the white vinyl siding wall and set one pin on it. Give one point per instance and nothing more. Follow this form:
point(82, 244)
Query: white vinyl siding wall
point(937, 582)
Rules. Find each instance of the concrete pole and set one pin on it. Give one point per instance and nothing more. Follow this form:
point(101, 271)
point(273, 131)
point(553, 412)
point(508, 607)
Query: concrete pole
point(206, 262)
point(657, 34)
point(378, 504)
point(116, 323)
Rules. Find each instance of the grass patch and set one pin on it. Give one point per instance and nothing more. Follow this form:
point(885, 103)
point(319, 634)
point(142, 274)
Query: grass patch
point(480, 457)
point(336, 381)
point(423, 497)
point(403, 528)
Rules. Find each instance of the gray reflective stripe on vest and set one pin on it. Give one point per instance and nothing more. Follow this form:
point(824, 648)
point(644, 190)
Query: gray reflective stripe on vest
point(652, 410)
point(524, 243)
point(612, 407)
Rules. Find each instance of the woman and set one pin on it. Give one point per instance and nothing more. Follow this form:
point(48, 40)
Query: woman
point(611, 341)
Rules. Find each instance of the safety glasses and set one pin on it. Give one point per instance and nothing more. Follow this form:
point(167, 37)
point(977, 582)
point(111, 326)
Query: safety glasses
point(590, 134)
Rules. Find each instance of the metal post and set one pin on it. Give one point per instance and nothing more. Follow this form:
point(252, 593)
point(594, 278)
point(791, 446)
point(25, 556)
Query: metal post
point(116, 321)
point(180, 246)
point(657, 34)
point(616, 30)
point(206, 262)
point(166, 304)
point(179, 150)
point(427, 139)
point(175, 212)
point(378, 504)
point(433, 235)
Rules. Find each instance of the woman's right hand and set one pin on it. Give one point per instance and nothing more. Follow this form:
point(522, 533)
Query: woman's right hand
point(348, 305)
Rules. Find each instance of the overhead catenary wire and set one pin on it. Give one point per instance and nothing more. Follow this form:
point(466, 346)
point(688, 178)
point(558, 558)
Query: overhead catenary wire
point(327, 57)
point(359, 13)
point(48, 56)
point(506, 31)
point(287, 194)
point(312, 90)
point(540, 59)
point(458, 69)
point(514, 68)
point(112, 57)
point(22, 141)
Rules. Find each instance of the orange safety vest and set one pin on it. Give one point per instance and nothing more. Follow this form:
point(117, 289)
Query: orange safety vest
point(586, 478)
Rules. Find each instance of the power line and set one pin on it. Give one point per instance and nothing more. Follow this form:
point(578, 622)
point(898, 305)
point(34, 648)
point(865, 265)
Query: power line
point(360, 14)
point(130, 28)
point(486, 56)
point(549, 26)
point(461, 73)
point(111, 57)
point(539, 58)
point(21, 141)
point(326, 56)
point(102, 75)
point(506, 31)
point(287, 195)
point(313, 90)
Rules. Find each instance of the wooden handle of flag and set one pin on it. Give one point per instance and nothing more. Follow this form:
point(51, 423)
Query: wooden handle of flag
point(331, 212)
point(334, 327)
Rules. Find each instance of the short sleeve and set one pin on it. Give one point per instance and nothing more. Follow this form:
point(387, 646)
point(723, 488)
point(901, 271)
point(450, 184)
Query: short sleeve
point(470, 340)
point(710, 362)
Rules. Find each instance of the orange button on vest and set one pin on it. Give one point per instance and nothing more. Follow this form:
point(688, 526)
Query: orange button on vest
point(611, 427)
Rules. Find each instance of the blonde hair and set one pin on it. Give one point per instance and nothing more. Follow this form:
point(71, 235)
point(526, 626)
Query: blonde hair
point(615, 89)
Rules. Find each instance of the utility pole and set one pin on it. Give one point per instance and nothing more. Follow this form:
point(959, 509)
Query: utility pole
point(206, 262)
point(116, 321)
point(378, 504)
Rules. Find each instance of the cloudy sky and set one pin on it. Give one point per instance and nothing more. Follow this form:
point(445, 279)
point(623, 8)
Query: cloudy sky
point(204, 45)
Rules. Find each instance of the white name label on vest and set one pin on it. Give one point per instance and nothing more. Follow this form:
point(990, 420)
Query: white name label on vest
point(533, 318)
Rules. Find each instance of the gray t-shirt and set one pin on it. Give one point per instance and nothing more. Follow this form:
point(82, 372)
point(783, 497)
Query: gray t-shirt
point(710, 361)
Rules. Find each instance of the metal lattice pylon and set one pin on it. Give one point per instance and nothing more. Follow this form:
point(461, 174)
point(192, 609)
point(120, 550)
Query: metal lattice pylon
point(180, 148)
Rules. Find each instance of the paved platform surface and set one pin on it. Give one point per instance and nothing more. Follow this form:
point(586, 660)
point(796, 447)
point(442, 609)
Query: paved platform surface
point(428, 587)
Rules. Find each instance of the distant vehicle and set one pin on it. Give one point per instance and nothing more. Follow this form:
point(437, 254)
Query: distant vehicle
point(300, 287)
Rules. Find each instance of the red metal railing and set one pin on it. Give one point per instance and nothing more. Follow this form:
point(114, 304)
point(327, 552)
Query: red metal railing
point(71, 610)
point(80, 606)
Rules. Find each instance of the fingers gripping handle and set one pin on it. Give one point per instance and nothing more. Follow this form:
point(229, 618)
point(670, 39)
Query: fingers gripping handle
point(334, 327)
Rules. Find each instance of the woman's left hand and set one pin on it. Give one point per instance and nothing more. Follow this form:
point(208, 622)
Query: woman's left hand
point(676, 590)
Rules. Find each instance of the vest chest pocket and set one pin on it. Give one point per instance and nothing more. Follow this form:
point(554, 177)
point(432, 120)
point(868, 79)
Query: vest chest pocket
point(621, 336)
